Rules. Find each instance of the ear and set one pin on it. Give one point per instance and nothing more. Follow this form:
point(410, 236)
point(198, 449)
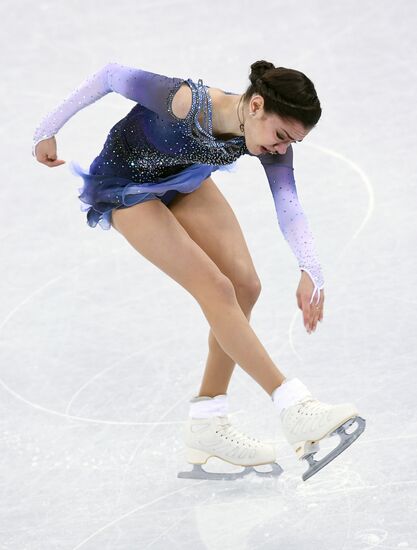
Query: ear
point(256, 102)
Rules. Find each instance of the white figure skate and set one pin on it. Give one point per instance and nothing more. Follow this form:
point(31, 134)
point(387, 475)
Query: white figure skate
point(308, 421)
point(216, 437)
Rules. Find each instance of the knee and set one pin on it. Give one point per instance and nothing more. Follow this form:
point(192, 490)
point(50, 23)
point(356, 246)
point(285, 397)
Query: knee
point(248, 289)
point(244, 291)
point(225, 288)
point(219, 290)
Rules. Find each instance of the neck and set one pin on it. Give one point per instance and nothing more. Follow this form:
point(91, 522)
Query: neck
point(227, 120)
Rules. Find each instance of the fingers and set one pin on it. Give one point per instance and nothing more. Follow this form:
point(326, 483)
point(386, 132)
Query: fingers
point(314, 316)
point(55, 163)
point(50, 162)
point(312, 313)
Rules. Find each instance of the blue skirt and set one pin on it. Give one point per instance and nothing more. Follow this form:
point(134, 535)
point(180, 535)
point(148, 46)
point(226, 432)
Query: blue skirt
point(100, 194)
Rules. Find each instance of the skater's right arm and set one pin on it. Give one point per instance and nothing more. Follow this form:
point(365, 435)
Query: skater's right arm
point(149, 89)
point(46, 152)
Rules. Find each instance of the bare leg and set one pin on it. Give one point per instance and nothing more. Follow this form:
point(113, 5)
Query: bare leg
point(219, 365)
point(154, 231)
point(238, 340)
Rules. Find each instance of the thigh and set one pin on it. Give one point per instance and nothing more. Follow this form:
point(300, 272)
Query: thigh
point(154, 232)
point(210, 221)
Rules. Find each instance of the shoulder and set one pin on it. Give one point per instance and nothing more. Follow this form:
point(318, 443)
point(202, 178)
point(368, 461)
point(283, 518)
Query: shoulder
point(181, 102)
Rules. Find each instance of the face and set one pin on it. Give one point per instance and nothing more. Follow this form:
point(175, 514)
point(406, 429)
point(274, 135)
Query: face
point(270, 133)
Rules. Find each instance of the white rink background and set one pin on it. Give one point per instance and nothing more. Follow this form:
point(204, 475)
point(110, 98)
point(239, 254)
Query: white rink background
point(100, 351)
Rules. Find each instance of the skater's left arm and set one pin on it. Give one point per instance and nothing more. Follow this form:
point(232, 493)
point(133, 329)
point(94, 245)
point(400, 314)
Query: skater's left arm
point(295, 227)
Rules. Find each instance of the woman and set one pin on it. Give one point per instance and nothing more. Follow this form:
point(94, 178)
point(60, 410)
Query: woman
point(152, 183)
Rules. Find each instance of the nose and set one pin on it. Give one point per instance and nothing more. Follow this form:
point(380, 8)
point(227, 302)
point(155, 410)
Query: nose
point(282, 148)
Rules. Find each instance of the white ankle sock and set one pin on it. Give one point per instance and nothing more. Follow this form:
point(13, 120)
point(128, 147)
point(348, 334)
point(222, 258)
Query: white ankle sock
point(288, 393)
point(204, 406)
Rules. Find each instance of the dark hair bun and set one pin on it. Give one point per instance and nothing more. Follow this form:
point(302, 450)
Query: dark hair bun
point(258, 69)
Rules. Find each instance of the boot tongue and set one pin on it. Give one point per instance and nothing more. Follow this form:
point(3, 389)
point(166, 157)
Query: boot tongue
point(306, 399)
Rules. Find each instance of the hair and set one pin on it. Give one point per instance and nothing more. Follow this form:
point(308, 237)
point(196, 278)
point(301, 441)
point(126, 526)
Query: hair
point(286, 92)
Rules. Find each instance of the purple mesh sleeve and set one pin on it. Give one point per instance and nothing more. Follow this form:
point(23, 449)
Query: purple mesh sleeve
point(291, 217)
point(149, 89)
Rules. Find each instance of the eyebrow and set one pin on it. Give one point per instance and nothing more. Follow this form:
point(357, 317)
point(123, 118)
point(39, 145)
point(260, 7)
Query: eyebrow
point(297, 140)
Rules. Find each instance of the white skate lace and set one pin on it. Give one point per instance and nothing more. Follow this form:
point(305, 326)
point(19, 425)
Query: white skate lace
point(228, 431)
point(313, 405)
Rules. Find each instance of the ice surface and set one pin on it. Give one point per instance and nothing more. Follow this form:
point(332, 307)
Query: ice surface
point(100, 350)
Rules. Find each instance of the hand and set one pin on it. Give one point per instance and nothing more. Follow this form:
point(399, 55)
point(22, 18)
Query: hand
point(311, 312)
point(45, 152)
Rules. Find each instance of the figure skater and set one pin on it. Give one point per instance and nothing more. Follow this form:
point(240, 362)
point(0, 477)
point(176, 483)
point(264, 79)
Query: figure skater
point(152, 183)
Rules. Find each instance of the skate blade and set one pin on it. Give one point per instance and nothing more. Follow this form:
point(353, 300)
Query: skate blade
point(346, 440)
point(199, 473)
